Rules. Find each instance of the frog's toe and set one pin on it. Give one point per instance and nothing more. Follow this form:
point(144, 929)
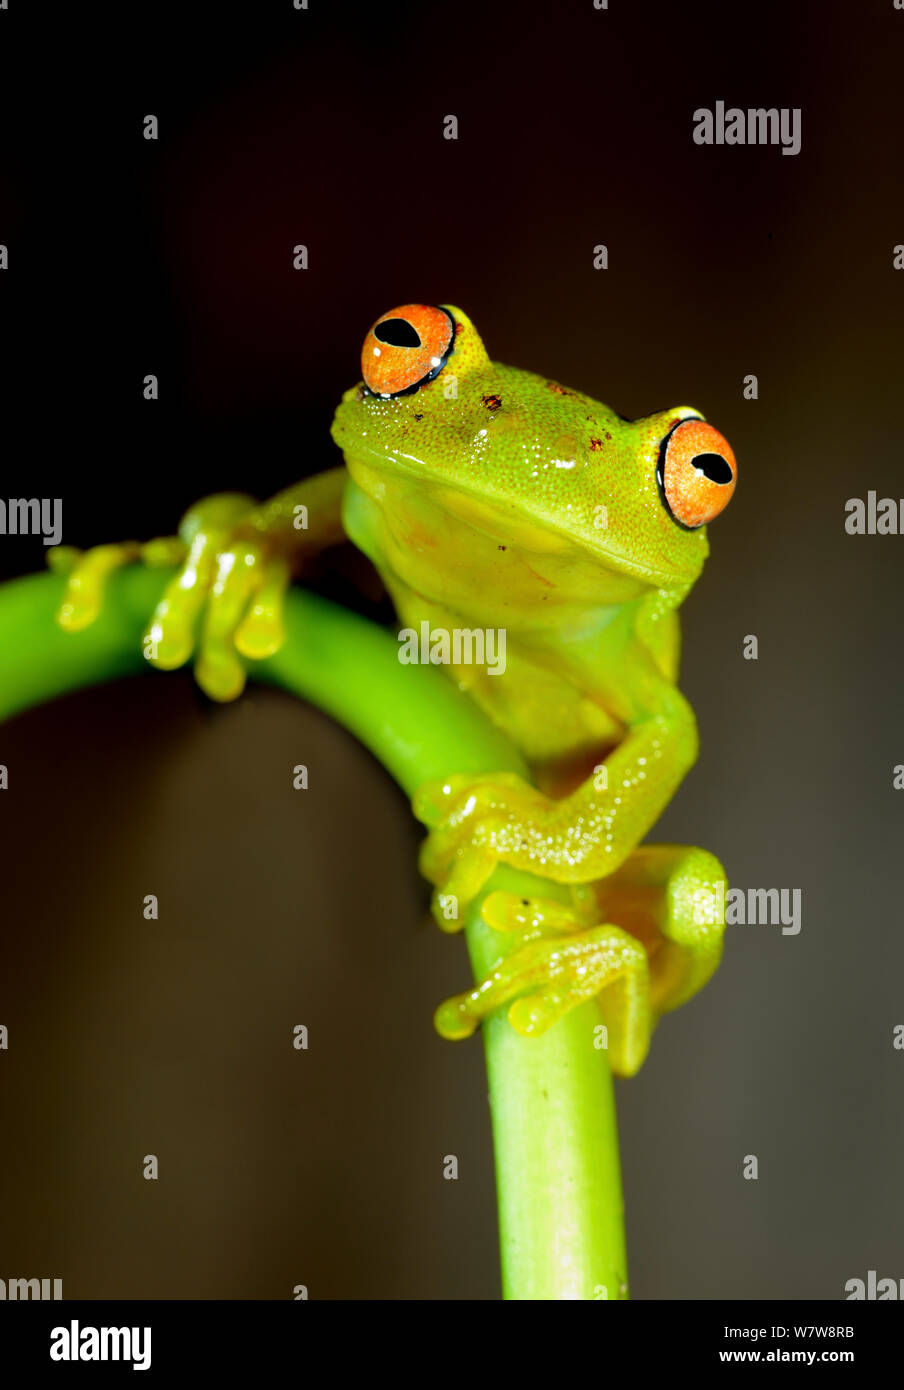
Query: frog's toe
point(218, 669)
point(87, 573)
point(451, 801)
point(170, 637)
point(206, 603)
point(262, 631)
point(529, 917)
point(219, 672)
point(669, 897)
point(693, 928)
point(459, 886)
point(467, 816)
point(437, 855)
point(434, 801)
point(244, 617)
point(163, 552)
point(62, 559)
point(544, 979)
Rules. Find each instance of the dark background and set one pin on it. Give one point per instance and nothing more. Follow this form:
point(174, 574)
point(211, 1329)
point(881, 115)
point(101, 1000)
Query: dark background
point(129, 257)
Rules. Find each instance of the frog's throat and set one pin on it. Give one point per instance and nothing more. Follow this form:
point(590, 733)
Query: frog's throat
point(365, 465)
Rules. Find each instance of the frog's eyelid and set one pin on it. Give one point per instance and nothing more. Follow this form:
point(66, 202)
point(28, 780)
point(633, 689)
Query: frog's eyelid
point(676, 419)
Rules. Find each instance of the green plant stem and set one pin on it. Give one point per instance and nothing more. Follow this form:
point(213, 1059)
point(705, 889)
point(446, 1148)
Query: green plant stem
point(554, 1127)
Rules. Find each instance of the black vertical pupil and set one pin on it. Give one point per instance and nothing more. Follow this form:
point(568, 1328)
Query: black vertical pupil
point(397, 333)
point(714, 467)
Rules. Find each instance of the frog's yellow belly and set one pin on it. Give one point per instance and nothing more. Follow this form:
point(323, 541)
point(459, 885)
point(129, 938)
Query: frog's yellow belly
point(561, 730)
point(447, 575)
point(562, 733)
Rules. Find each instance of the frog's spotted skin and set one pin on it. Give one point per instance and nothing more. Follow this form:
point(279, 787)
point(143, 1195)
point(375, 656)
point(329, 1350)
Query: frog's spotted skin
point(491, 498)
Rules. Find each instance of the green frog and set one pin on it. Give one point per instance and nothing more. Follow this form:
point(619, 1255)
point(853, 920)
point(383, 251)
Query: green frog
point(493, 500)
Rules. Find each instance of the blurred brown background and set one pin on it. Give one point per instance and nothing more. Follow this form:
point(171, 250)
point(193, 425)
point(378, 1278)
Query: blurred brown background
point(128, 257)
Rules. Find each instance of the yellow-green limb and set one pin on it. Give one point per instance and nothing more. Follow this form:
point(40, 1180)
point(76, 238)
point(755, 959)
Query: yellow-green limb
point(551, 1097)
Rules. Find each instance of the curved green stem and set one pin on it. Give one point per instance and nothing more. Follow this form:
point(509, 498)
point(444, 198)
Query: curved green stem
point(554, 1128)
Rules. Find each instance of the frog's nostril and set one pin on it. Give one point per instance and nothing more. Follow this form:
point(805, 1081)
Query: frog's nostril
point(714, 467)
point(397, 333)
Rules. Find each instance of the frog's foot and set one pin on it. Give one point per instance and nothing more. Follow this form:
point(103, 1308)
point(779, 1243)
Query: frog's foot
point(477, 822)
point(544, 978)
point(231, 586)
point(671, 897)
point(667, 901)
point(87, 572)
point(227, 598)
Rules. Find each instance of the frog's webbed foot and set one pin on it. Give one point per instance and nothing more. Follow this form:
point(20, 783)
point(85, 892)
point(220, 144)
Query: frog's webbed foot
point(666, 945)
point(475, 823)
point(227, 596)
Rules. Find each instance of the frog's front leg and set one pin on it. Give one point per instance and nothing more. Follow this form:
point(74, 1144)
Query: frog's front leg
point(666, 944)
point(478, 822)
point(236, 559)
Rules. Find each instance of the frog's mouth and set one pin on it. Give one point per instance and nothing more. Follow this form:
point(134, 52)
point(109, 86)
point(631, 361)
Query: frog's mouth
point(507, 523)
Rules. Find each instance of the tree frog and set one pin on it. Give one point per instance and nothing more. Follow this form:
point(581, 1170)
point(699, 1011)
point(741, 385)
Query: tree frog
point(490, 498)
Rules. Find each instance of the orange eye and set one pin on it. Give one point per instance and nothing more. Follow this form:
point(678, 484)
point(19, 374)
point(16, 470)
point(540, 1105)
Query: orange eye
point(696, 472)
point(406, 348)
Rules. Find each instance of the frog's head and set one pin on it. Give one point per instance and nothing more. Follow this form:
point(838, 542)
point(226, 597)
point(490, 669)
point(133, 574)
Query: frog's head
point(523, 460)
